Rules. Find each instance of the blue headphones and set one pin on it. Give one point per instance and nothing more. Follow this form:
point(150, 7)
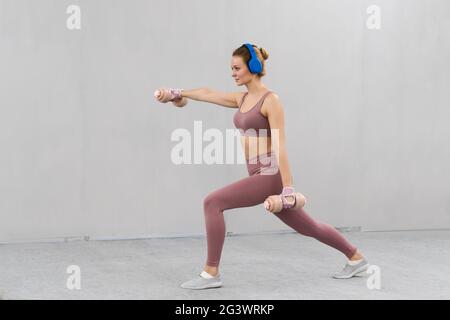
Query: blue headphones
point(254, 65)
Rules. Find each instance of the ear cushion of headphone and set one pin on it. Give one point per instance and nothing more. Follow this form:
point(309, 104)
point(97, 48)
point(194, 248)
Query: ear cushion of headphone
point(255, 65)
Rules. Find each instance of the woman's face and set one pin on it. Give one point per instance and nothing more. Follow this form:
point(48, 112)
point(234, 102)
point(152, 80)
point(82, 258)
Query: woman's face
point(240, 71)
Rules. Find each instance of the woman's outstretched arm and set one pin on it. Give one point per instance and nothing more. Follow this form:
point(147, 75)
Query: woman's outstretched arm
point(225, 99)
point(276, 121)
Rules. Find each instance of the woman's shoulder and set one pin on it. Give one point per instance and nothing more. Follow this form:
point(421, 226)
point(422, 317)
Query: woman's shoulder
point(273, 94)
point(272, 101)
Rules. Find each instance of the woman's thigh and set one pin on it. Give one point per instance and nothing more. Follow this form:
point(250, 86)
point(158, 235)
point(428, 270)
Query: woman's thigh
point(247, 192)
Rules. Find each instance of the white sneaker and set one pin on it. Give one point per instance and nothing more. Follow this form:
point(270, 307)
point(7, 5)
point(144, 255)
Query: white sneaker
point(350, 271)
point(200, 283)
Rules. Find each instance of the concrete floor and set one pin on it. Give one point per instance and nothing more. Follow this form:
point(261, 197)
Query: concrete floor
point(413, 265)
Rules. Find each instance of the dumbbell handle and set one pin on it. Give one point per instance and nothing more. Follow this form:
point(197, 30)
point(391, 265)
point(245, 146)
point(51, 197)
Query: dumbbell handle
point(274, 203)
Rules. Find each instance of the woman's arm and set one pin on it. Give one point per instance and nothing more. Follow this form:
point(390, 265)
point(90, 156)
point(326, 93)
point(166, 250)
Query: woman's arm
point(276, 120)
point(225, 99)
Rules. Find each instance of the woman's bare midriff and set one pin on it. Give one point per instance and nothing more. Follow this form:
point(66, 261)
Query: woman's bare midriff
point(255, 146)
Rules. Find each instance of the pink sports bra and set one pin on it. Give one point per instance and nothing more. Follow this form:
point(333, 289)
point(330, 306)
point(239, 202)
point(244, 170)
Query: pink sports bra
point(252, 122)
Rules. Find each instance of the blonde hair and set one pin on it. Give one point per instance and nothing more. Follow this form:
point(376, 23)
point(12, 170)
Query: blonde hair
point(261, 53)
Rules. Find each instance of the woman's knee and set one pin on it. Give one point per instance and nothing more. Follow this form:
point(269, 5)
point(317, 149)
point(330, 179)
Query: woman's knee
point(211, 203)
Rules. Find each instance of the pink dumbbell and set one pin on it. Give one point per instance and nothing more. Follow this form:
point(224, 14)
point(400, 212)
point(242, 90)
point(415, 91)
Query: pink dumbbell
point(274, 203)
point(166, 95)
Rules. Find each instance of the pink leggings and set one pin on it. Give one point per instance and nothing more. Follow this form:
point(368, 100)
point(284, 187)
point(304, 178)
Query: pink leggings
point(264, 180)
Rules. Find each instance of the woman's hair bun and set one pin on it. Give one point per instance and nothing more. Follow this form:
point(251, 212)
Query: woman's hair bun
point(264, 53)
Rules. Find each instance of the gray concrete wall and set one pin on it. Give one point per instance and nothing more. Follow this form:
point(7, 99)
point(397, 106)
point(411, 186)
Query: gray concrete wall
point(85, 150)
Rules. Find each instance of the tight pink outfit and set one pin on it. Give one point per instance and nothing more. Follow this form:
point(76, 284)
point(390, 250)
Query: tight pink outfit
point(264, 180)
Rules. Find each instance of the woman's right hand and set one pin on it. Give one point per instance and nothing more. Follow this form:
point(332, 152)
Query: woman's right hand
point(166, 95)
point(173, 95)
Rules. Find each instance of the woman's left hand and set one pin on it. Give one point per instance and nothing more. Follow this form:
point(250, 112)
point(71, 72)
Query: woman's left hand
point(288, 197)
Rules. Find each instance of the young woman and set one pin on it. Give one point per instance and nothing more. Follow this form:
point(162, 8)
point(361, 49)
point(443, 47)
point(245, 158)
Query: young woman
point(259, 108)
